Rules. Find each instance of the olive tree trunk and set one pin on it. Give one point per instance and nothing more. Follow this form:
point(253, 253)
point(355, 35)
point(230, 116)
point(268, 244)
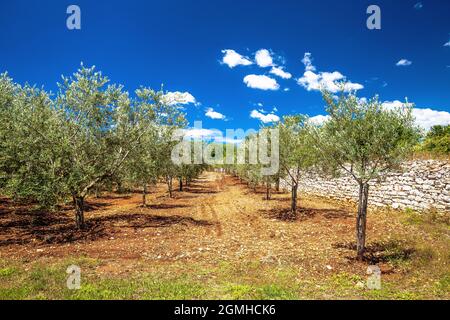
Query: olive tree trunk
point(361, 220)
point(120, 189)
point(144, 195)
point(267, 190)
point(294, 198)
point(79, 211)
point(97, 192)
point(181, 184)
point(170, 185)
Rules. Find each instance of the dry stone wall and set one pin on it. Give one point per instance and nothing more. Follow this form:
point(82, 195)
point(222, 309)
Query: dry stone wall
point(420, 185)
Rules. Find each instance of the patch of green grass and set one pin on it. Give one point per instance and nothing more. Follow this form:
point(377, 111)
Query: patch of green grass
point(41, 281)
point(277, 292)
point(344, 280)
point(92, 292)
point(430, 217)
point(7, 272)
point(424, 256)
point(237, 291)
point(387, 293)
point(225, 280)
point(412, 217)
point(443, 284)
point(178, 288)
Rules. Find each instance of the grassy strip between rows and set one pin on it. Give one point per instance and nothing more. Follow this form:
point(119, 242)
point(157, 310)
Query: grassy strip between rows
point(224, 281)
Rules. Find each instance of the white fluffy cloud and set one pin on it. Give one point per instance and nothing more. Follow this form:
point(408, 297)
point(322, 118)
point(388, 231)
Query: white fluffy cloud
point(232, 59)
point(425, 117)
point(210, 113)
point(261, 82)
point(278, 71)
point(418, 6)
point(403, 63)
point(447, 44)
point(331, 81)
point(265, 118)
point(173, 98)
point(197, 133)
point(307, 61)
point(319, 120)
point(263, 58)
point(227, 140)
point(396, 104)
point(200, 134)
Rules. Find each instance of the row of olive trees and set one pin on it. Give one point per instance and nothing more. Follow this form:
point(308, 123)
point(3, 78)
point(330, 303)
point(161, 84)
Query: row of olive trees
point(360, 138)
point(87, 135)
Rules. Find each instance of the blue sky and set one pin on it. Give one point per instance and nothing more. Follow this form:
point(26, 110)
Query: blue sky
point(206, 49)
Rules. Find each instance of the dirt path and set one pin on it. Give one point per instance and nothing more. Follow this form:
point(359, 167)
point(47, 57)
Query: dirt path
point(240, 225)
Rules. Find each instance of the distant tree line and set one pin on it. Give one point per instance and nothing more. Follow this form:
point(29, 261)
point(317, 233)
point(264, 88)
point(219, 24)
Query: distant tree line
point(437, 141)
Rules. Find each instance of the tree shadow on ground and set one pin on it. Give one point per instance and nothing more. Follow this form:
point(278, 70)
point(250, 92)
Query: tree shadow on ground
point(193, 185)
point(24, 225)
point(285, 214)
point(381, 251)
point(284, 199)
point(199, 190)
point(55, 233)
point(24, 218)
point(263, 190)
point(183, 195)
point(118, 196)
point(93, 206)
point(236, 182)
point(161, 206)
point(38, 227)
point(142, 220)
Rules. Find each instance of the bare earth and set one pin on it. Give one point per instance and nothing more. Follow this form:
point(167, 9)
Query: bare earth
point(213, 221)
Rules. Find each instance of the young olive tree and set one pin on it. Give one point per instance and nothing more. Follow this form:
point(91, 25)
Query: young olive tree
point(250, 170)
point(296, 152)
point(270, 145)
point(366, 140)
point(167, 141)
point(97, 133)
point(145, 162)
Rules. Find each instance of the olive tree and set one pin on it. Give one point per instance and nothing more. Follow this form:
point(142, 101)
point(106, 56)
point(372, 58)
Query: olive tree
point(365, 140)
point(269, 142)
point(29, 160)
point(161, 118)
point(296, 153)
point(249, 170)
point(98, 130)
point(167, 141)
